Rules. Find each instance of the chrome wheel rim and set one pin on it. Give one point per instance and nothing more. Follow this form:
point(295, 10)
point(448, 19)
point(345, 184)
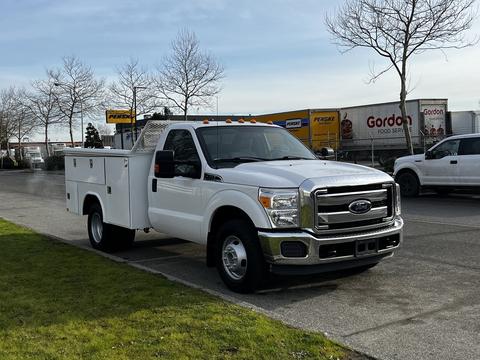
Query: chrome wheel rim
point(234, 257)
point(97, 227)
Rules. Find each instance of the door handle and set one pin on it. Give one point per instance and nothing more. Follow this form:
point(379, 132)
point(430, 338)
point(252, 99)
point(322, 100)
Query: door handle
point(453, 162)
point(154, 185)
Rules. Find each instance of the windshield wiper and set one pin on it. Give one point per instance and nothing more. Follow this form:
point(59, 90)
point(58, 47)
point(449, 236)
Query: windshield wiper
point(291, 158)
point(240, 159)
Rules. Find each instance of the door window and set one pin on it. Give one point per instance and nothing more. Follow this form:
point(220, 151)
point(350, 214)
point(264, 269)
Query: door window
point(470, 146)
point(187, 161)
point(447, 148)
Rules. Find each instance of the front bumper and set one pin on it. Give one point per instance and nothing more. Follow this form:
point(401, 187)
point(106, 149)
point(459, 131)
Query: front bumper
point(315, 249)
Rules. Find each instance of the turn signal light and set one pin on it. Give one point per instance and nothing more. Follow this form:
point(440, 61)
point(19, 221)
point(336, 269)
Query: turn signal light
point(265, 201)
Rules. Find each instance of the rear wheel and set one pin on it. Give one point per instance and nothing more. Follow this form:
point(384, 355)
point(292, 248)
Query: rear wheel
point(409, 185)
point(107, 237)
point(239, 257)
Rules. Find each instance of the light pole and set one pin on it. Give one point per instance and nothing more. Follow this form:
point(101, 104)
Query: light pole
point(135, 107)
point(81, 108)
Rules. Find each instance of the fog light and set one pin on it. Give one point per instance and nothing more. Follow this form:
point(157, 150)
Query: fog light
point(293, 249)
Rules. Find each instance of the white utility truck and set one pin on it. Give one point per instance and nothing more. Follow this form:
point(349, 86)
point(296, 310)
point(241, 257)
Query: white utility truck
point(252, 193)
point(453, 163)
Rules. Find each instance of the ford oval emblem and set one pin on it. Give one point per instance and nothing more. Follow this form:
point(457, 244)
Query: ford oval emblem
point(360, 206)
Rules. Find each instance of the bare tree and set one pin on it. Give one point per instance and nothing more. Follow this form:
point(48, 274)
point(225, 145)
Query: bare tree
point(134, 89)
point(7, 128)
point(24, 122)
point(398, 29)
point(104, 129)
point(79, 93)
point(134, 79)
point(42, 106)
point(188, 76)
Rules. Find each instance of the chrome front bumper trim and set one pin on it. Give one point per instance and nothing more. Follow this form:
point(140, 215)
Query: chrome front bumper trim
point(271, 241)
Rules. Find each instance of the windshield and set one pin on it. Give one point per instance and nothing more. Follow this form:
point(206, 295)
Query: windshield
point(227, 146)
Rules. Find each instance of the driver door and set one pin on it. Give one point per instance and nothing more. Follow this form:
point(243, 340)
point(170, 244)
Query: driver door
point(441, 164)
point(177, 204)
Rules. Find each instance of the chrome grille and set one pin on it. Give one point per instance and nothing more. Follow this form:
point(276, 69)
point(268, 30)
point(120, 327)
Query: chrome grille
point(333, 212)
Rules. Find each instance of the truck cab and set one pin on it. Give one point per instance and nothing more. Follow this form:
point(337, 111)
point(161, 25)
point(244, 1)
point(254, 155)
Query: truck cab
point(450, 164)
point(253, 194)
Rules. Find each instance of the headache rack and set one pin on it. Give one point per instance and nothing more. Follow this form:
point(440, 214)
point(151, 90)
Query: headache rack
point(148, 139)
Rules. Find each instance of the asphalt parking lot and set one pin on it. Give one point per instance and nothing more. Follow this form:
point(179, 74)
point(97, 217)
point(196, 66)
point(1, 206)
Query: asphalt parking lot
point(422, 304)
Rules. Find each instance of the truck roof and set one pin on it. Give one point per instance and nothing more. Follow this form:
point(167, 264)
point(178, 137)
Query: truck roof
point(463, 136)
point(200, 124)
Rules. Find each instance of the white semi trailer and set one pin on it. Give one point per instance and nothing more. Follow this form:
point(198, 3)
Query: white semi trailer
point(378, 127)
point(465, 122)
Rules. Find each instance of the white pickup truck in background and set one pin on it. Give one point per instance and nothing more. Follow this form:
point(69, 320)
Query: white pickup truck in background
point(253, 194)
point(453, 163)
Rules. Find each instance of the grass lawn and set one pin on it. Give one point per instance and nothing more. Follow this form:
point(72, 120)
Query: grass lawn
point(61, 302)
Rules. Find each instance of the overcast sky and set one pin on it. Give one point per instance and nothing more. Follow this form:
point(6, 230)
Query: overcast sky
point(277, 54)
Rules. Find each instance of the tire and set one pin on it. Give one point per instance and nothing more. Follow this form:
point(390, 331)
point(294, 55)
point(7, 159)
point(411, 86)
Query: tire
point(239, 257)
point(409, 185)
point(107, 237)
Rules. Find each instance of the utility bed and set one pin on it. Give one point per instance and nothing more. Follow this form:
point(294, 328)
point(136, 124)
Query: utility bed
point(119, 177)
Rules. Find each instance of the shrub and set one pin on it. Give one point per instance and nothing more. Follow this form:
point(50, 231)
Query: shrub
point(8, 163)
point(55, 162)
point(24, 164)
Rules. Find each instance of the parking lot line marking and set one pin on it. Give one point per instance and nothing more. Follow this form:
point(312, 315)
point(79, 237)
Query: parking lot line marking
point(407, 219)
point(455, 305)
point(432, 259)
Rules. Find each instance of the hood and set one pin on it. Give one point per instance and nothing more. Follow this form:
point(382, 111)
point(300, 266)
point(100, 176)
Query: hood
point(410, 158)
point(288, 173)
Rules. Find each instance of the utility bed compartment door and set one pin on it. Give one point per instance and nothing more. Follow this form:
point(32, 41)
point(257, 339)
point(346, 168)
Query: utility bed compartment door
point(71, 189)
point(118, 197)
point(85, 169)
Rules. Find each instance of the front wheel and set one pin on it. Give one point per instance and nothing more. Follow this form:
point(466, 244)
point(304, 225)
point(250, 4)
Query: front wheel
point(409, 185)
point(239, 257)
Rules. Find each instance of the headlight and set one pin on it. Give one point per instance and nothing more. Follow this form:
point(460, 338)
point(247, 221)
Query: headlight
point(281, 206)
point(398, 207)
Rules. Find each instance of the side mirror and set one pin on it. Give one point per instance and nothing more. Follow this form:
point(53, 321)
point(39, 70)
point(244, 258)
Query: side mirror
point(164, 165)
point(429, 155)
point(327, 153)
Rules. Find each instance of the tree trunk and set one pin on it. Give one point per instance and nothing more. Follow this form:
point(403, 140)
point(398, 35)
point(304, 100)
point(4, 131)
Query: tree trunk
point(20, 156)
point(403, 110)
point(46, 139)
point(71, 131)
